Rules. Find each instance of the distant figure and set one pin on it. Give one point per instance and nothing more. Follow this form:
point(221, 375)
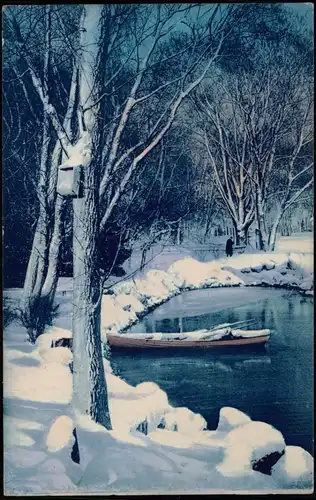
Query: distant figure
point(229, 247)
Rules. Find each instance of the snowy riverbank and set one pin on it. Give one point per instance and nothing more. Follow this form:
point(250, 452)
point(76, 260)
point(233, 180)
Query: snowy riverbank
point(152, 447)
point(132, 299)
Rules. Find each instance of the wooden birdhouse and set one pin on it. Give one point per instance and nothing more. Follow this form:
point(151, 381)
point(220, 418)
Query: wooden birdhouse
point(70, 180)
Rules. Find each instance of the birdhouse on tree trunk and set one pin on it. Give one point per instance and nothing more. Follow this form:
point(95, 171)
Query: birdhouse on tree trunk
point(70, 180)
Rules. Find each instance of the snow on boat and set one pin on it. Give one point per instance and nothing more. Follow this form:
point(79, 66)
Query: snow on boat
point(225, 337)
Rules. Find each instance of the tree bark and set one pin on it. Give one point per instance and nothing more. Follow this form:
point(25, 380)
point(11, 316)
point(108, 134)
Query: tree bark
point(50, 283)
point(263, 240)
point(37, 264)
point(240, 234)
point(273, 233)
point(89, 386)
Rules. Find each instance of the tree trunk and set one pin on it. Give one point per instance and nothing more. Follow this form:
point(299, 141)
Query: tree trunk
point(89, 384)
point(263, 240)
point(273, 234)
point(35, 274)
point(239, 233)
point(50, 283)
point(89, 387)
point(179, 234)
point(37, 264)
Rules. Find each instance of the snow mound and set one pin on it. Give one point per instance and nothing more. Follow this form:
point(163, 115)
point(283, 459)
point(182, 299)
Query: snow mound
point(248, 444)
point(132, 406)
point(171, 438)
point(257, 269)
point(152, 291)
point(125, 288)
point(184, 420)
point(306, 285)
point(130, 303)
point(15, 432)
point(268, 266)
point(47, 382)
point(229, 418)
point(61, 355)
point(295, 469)
point(188, 272)
point(60, 433)
point(51, 335)
point(113, 316)
point(245, 270)
point(158, 278)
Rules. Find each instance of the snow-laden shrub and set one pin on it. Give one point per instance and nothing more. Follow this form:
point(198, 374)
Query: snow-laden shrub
point(39, 313)
point(9, 313)
point(282, 269)
point(294, 262)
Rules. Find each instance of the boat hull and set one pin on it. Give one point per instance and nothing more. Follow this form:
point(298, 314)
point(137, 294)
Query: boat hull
point(124, 341)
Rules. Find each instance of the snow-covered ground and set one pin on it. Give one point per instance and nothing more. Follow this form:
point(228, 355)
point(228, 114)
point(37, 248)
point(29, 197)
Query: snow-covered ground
point(161, 257)
point(152, 447)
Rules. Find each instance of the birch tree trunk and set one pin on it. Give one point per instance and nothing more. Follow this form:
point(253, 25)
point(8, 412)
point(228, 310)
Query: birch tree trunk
point(273, 233)
point(35, 273)
point(89, 385)
point(50, 283)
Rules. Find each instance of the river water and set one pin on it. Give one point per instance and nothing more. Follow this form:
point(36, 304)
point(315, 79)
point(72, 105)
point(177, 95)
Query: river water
point(274, 385)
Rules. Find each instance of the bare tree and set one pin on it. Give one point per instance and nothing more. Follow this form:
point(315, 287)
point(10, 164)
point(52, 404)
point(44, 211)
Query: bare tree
point(91, 138)
point(275, 105)
point(223, 134)
point(42, 271)
point(257, 129)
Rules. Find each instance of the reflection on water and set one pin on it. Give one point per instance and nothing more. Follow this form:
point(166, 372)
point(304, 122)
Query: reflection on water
point(274, 385)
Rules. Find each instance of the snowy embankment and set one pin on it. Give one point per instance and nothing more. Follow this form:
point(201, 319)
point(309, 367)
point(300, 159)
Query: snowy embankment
point(131, 300)
point(152, 447)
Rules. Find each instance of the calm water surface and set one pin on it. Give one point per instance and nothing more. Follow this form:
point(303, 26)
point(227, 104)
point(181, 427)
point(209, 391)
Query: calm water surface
point(274, 385)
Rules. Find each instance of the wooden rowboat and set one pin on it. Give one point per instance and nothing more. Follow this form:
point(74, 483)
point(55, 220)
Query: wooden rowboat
point(181, 341)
